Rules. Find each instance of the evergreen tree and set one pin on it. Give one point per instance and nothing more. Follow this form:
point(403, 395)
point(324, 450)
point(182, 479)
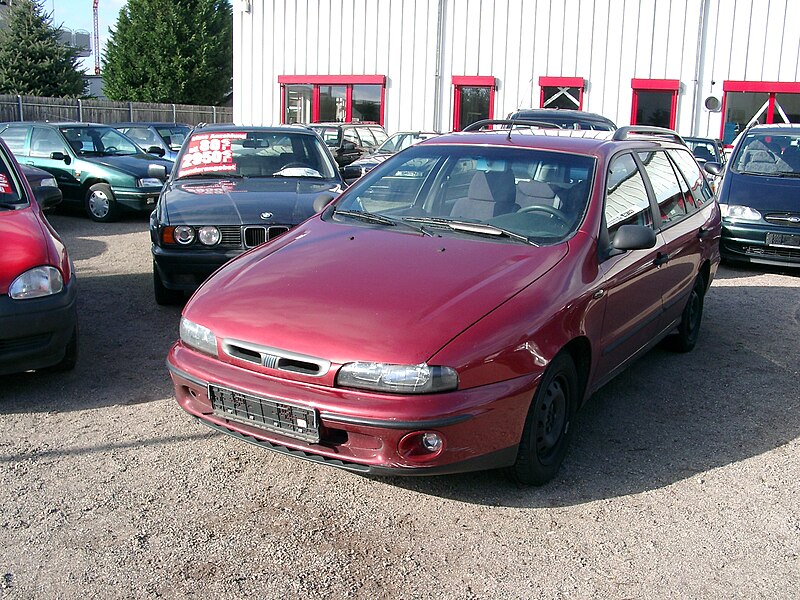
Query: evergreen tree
point(32, 61)
point(178, 51)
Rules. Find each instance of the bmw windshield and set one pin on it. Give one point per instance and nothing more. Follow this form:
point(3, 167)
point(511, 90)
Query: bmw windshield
point(508, 194)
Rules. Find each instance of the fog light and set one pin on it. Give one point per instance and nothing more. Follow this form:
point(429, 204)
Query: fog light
point(421, 446)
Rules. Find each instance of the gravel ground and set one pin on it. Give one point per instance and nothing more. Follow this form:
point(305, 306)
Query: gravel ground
point(682, 481)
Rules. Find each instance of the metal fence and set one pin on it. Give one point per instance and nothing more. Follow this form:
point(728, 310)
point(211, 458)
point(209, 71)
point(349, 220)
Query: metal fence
point(35, 108)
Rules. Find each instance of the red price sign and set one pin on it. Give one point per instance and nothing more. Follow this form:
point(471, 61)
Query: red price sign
point(209, 152)
point(5, 187)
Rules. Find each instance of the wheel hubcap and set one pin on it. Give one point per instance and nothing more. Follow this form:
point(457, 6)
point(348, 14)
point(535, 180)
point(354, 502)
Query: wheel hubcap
point(551, 416)
point(98, 204)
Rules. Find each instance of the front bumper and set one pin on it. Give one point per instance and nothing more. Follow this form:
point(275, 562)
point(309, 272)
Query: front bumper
point(747, 242)
point(362, 431)
point(139, 199)
point(34, 333)
point(185, 269)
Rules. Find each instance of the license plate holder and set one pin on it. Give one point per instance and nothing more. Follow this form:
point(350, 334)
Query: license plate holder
point(783, 240)
point(276, 416)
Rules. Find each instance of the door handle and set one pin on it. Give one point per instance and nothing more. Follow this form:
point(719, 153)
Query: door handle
point(661, 259)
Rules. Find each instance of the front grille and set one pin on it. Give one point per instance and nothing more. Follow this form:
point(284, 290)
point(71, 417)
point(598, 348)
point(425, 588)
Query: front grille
point(785, 219)
point(25, 344)
point(257, 235)
point(771, 252)
point(231, 236)
point(276, 359)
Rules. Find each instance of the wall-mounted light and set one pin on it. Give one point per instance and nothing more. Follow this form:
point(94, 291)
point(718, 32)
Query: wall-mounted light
point(246, 6)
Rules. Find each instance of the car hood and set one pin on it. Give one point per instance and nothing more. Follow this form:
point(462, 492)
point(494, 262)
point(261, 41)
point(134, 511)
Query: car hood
point(135, 164)
point(23, 244)
point(772, 194)
point(346, 293)
point(287, 200)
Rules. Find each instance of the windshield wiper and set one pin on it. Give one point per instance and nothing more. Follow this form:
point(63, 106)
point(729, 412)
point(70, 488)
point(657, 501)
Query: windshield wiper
point(469, 227)
point(366, 216)
point(788, 174)
point(210, 175)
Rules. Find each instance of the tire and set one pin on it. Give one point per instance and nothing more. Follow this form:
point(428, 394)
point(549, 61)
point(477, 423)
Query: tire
point(164, 296)
point(689, 327)
point(100, 204)
point(70, 355)
point(548, 425)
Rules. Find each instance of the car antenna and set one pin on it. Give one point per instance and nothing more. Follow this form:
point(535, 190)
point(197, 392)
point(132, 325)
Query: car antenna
point(511, 127)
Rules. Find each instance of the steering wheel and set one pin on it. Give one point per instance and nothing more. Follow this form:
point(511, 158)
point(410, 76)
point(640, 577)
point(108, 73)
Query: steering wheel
point(111, 149)
point(550, 211)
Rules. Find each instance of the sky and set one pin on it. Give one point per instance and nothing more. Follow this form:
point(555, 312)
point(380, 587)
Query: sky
point(77, 14)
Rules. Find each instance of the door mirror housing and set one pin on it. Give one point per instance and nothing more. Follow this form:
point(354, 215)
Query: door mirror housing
point(322, 201)
point(634, 237)
point(348, 146)
point(156, 150)
point(713, 168)
point(61, 156)
point(157, 171)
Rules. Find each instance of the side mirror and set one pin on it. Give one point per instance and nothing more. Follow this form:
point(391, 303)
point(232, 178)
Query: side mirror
point(47, 196)
point(713, 168)
point(157, 171)
point(322, 200)
point(348, 146)
point(61, 156)
point(158, 151)
point(634, 237)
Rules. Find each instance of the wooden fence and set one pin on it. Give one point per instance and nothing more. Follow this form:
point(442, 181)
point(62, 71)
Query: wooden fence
point(35, 108)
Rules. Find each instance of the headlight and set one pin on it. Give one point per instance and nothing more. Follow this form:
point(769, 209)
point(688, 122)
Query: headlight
point(402, 379)
point(48, 182)
point(38, 282)
point(735, 211)
point(208, 235)
point(184, 234)
point(198, 337)
point(149, 182)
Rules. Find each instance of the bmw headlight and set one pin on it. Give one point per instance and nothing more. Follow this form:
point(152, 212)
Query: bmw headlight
point(198, 337)
point(208, 235)
point(399, 379)
point(35, 283)
point(184, 234)
point(149, 182)
point(742, 213)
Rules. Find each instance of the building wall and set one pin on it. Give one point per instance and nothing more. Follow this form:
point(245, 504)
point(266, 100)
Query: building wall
point(608, 43)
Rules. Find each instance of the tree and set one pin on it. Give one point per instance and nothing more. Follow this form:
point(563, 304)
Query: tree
point(32, 60)
point(179, 51)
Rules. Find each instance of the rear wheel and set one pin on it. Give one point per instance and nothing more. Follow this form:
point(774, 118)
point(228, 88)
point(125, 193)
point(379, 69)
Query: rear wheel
point(164, 295)
point(689, 327)
point(100, 203)
point(548, 426)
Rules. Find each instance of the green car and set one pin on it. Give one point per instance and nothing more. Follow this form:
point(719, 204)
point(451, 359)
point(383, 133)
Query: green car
point(96, 166)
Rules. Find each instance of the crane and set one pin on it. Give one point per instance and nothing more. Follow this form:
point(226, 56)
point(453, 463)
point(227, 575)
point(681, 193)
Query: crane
point(96, 37)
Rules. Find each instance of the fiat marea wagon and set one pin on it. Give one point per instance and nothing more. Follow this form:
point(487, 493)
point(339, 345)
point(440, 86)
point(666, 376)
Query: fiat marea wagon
point(453, 309)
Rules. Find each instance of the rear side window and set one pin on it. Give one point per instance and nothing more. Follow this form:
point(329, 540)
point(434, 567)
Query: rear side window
point(14, 137)
point(688, 167)
point(669, 195)
point(380, 134)
point(367, 138)
point(351, 135)
point(626, 197)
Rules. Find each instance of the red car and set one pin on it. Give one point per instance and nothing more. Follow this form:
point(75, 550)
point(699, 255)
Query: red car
point(38, 317)
point(454, 308)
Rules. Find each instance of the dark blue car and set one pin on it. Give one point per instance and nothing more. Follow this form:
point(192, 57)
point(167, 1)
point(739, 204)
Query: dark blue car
point(760, 197)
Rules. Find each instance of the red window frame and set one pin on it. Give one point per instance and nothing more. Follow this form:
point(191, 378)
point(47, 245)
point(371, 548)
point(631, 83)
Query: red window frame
point(343, 80)
point(764, 87)
point(656, 85)
point(462, 81)
point(578, 82)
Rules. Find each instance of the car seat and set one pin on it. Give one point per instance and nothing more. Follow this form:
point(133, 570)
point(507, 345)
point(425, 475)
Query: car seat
point(491, 193)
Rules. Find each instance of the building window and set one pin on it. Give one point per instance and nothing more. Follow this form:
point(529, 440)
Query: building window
point(655, 102)
point(473, 100)
point(562, 92)
point(748, 102)
point(342, 99)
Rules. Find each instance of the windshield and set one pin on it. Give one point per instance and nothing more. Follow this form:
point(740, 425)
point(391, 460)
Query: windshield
point(254, 154)
point(99, 141)
point(174, 136)
point(704, 151)
point(532, 195)
point(775, 154)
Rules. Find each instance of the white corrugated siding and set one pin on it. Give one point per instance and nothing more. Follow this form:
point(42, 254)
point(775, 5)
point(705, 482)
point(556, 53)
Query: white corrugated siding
point(607, 42)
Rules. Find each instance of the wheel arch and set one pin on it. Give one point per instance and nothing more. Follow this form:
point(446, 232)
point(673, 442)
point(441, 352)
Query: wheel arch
point(580, 350)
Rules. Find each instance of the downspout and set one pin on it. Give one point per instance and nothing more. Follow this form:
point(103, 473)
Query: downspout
point(438, 93)
point(699, 70)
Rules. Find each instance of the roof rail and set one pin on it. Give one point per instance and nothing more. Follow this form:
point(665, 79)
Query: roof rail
point(478, 125)
point(623, 133)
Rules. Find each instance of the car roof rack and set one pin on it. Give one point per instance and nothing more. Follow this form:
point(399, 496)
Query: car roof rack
point(478, 125)
point(624, 133)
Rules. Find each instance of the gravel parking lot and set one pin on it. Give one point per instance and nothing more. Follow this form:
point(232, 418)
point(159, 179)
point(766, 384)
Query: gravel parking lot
point(682, 481)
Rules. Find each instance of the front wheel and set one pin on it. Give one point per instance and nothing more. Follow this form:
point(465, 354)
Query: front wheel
point(100, 203)
point(548, 426)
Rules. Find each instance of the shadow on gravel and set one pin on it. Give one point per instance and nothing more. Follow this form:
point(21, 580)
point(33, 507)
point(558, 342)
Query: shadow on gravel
point(672, 416)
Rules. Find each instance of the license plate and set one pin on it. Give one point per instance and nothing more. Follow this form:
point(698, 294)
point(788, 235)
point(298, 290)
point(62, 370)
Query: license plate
point(783, 240)
point(279, 417)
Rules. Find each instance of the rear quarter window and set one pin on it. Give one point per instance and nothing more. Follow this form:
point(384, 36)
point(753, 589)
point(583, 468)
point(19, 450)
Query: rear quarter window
point(688, 167)
point(15, 137)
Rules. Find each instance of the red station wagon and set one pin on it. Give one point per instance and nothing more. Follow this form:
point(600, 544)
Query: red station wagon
point(454, 308)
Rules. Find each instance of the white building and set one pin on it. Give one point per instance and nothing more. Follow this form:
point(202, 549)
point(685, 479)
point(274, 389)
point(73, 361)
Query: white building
point(703, 67)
